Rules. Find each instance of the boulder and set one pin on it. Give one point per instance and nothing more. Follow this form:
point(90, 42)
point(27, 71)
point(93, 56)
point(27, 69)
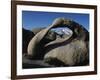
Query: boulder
point(26, 37)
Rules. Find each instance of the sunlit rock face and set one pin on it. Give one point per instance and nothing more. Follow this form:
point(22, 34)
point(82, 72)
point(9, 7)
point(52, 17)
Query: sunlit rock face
point(60, 47)
point(36, 45)
point(69, 52)
point(75, 53)
point(27, 36)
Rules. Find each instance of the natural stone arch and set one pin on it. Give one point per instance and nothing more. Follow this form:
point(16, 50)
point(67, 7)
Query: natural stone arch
point(80, 35)
point(72, 51)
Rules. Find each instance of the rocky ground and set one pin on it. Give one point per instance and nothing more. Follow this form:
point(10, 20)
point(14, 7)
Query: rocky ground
point(29, 63)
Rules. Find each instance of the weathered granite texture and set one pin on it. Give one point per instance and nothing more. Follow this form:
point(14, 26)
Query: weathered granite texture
point(48, 47)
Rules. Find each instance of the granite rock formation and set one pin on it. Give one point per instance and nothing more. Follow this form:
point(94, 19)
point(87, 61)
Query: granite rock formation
point(36, 45)
point(69, 51)
point(27, 36)
point(56, 50)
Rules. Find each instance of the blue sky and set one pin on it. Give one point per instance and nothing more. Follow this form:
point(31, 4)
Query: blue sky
point(33, 19)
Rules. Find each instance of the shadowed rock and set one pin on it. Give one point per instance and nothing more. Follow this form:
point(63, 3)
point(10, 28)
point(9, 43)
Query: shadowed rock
point(70, 51)
point(27, 36)
point(36, 45)
point(67, 51)
point(27, 63)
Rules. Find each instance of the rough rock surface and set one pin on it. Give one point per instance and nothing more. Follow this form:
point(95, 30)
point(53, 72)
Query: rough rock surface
point(36, 45)
point(72, 51)
point(75, 53)
point(28, 63)
point(27, 36)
